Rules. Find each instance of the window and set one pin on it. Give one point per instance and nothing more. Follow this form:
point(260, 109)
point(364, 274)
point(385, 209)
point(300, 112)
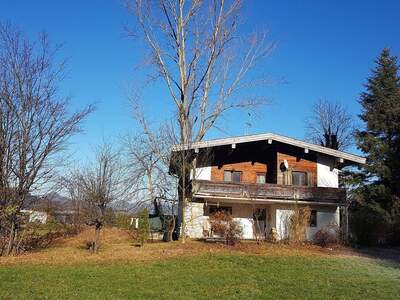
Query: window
point(260, 178)
point(313, 218)
point(232, 176)
point(236, 176)
point(299, 178)
point(227, 176)
point(213, 209)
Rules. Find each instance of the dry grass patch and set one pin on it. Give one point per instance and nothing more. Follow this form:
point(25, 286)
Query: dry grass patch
point(117, 246)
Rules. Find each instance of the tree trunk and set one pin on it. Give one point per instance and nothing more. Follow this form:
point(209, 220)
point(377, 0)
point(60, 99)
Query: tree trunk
point(181, 224)
point(11, 240)
point(168, 234)
point(96, 239)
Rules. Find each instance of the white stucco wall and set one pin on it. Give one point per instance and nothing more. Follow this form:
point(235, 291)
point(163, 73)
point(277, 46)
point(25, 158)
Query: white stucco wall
point(325, 216)
point(203, 173)
point(196, 222)
point(247, 226)
point(277, 215)
point(243, 213)
point(327, 175)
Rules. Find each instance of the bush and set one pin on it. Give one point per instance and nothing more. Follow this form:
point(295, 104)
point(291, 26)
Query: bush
point(327, 235)
point(122, 221)
point(143, 230)
point(223, 224)
point(39, 236)
point(296, 224)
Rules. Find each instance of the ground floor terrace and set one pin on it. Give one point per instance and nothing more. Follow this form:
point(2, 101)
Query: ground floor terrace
point(258, 218)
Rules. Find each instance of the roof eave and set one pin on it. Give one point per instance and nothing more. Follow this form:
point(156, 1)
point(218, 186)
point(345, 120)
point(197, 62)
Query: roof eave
point(273, 137)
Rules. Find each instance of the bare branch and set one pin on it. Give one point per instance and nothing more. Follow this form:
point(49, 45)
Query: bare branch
point(331, 125)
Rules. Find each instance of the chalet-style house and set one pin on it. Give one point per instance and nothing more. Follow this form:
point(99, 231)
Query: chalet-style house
point(263, 178)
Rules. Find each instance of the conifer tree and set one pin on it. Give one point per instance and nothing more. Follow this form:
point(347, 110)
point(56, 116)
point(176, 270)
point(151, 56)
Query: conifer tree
point(143, 227)
point(377, 214)
point(380, 140)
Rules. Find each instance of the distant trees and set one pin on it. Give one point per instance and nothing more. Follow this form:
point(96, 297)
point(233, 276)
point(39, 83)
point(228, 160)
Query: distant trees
point(35, 123)
point(376, 214)
point(194, 50)
point(330, 125)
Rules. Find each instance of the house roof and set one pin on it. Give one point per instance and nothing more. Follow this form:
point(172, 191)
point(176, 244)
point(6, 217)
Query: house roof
point(270, 137)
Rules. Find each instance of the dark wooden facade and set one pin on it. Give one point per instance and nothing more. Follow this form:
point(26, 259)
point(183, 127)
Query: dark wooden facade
point(263, 158)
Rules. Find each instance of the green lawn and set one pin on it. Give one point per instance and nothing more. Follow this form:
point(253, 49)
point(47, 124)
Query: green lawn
point(208, 276)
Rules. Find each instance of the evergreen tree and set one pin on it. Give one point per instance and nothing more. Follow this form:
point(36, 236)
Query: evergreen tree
point(143, 227)
point(380, 141)
point(381, 113)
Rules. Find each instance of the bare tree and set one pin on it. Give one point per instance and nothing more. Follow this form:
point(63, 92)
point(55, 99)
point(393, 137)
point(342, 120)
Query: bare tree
point(194, 50)
point(148, 158)
point(35, 122)
point(97, 186)
point(148, 155)
point(331, 125)
point(71, 186)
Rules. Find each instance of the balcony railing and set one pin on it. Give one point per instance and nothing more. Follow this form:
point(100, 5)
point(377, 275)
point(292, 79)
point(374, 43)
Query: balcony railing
point(204, 188)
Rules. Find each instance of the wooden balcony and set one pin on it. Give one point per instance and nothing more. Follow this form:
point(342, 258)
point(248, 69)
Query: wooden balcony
point(267, 192)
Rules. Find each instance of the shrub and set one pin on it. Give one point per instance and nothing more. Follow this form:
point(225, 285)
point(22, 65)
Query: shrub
point(143, 230)
point(39, 236)
point(223, 224)
point(298, 222)
point(327, 235)
point(122, 221)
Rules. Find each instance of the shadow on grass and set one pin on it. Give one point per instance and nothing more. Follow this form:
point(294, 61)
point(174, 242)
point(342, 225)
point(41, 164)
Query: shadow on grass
point(385, 254)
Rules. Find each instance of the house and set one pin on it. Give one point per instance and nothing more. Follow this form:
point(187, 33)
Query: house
point(35, 216)
point(260, 180)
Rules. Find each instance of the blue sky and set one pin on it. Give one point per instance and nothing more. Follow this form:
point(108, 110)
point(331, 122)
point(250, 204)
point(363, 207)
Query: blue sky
point(325, 50)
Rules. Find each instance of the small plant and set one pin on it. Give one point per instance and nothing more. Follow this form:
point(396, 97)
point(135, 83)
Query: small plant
point(143, 230)
point(224, 225)
point(327, 235)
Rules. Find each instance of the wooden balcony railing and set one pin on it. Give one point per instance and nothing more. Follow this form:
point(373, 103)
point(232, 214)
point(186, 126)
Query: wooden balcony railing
point(204, 188)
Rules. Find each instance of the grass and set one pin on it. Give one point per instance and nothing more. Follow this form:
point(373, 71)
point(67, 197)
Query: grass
point(198, 271)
